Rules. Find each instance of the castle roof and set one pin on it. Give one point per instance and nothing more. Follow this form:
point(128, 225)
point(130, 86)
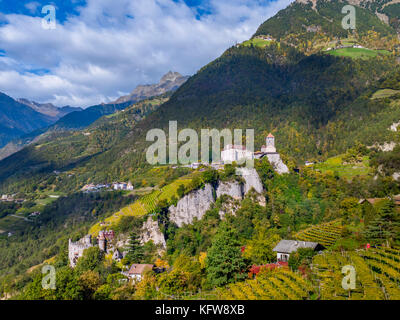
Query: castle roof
point(270, 135)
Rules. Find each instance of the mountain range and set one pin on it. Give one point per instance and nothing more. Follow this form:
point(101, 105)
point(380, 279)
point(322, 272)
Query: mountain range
point(69, 118)
point(331, 98)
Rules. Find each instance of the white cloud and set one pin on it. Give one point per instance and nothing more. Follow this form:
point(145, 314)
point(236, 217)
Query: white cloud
point(112, 46)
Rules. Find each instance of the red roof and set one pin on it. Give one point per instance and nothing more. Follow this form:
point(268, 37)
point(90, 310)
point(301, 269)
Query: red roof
point(270, 136)
point(140, 268)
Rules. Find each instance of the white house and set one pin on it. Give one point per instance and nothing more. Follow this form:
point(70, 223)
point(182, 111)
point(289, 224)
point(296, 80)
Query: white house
point(285, 247)
point(136, 272)
point(122, 186)
point(233, 153)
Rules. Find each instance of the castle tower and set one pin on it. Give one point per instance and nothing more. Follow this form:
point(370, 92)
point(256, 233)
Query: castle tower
point(102, 241)
point(270, 144)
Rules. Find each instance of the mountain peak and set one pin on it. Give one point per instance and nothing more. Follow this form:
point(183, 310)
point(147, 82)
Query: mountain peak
point(169, 82)
point(170, 76)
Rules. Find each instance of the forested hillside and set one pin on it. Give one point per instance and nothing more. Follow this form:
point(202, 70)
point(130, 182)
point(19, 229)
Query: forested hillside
point(331, 98)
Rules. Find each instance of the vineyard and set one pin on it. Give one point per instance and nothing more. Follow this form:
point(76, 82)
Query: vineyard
point(325, 234)
point(280, 284)
point(377, 274)
point(145, 205)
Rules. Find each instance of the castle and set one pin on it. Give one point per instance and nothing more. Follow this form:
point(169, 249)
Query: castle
point(75, 249)
point(233, 153)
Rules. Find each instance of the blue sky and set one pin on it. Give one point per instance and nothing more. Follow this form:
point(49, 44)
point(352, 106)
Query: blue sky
point(102, 49)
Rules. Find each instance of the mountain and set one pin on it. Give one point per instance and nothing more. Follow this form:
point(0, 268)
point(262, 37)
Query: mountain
point(49, 109)
point(81, 119)
point(169, 82)
point(318, 103)
point(70, 118)
point(322, 92)
point(17, 119)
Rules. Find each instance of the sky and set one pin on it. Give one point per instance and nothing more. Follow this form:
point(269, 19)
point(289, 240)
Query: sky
point(102, 49)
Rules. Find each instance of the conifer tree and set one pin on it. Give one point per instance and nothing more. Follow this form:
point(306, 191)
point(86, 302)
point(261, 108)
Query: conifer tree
point(135, 249)
point(224, 262)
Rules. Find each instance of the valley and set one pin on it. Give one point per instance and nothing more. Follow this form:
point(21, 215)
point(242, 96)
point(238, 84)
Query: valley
point(324, 192)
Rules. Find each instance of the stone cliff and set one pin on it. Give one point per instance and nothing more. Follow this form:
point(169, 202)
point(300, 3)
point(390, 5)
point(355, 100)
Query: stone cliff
point(151, 231)
point(193, 205)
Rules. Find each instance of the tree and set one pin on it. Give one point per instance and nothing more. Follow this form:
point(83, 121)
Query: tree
point(259, 248)
point(89, 282)
point(386, 226)
point(180, 191)
point(302, 256)
point(91, 260)
point(135, 249)
point(224, 262)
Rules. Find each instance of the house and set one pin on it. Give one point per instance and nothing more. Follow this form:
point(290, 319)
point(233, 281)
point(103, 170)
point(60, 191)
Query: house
point(285, 247)
point(119, 185)
point(137, 271)
point(122, 186)
point(396, 200)
point(371, 201)
point(35, 214)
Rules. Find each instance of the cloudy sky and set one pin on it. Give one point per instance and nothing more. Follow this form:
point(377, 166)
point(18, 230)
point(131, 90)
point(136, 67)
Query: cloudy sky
point(102, 49)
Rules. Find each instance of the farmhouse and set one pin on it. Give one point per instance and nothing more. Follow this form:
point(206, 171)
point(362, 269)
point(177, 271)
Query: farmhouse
point(285, 247)
point(122, 186)
point(137, 271)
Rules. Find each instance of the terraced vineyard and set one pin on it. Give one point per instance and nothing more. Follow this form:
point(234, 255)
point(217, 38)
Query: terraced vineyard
point(325, 234)
point(377, 274)
point(282, 284)
point(145, 205)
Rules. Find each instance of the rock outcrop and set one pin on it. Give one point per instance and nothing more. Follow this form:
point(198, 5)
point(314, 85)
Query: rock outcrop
point(193, 205)
point(151, 231)
point(252, 179)
point(233, 189)
point(277, 163)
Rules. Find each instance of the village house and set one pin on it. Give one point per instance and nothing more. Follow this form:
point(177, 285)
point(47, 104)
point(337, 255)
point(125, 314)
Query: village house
point(136, 272)
point(122, 186)
point(285, 247)
point(35, 214)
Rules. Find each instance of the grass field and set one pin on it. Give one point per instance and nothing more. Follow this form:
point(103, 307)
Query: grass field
point(358, 53)
point(335, 164)
point(384, 93)
point(144, 205)
point(257, 43)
